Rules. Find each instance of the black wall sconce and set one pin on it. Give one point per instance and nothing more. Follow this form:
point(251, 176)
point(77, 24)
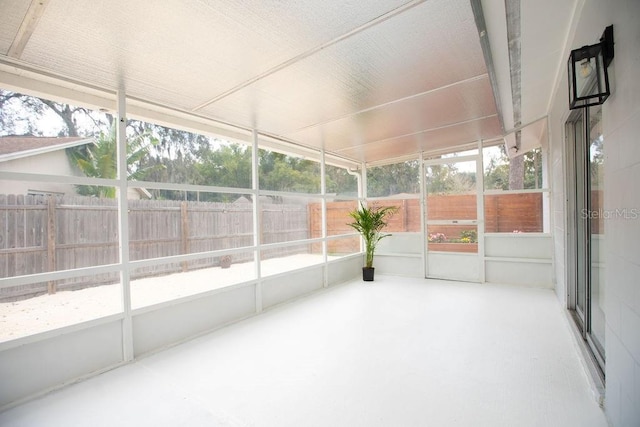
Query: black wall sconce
point(588, 77)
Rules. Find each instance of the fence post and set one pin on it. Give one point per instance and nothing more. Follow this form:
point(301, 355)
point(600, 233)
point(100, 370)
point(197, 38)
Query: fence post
point(405, 213)
point(51, 241)
point(184, 220)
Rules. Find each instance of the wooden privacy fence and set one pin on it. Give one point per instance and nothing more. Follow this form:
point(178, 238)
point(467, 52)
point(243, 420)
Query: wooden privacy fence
point(41, 234)
point(503, 213)
point(407, 218)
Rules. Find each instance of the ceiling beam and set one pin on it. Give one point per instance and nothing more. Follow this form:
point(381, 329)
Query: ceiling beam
point(28, 26)
point(512, 8)
point(481, 25)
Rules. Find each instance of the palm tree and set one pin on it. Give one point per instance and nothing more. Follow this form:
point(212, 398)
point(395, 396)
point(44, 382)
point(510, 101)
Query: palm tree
point(98, 160)
point(369, 222)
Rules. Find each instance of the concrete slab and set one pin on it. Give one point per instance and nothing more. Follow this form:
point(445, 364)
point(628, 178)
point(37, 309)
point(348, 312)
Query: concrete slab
point(395, 352)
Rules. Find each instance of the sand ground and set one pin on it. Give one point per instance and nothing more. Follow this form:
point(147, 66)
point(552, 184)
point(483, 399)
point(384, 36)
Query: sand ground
point(47, 312)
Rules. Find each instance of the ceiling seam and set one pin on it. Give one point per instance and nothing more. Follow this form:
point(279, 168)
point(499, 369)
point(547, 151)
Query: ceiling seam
point(395, 101)
point(463, 122)
point(382, 18)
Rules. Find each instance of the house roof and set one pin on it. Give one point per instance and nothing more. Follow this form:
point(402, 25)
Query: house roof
point(15, 147)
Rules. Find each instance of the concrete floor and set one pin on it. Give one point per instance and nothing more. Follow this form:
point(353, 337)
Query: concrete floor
point(395, 352)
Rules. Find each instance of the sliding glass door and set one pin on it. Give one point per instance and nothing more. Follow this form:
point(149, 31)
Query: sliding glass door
point(586, 262)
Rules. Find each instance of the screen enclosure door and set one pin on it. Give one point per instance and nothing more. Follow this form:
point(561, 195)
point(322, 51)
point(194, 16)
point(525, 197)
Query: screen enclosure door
point(452, 218)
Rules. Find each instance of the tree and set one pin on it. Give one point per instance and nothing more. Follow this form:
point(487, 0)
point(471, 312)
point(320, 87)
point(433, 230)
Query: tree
point(516, 173)
point(339, 181)
point(25, 115)
point(228, 165)
point(394, 179)
point(496, 175)
point(499, 172)
point(596, 162)
point(291, 174)
point(533, 168)
point(446, 178)
point(280, 172)
point(99, 161)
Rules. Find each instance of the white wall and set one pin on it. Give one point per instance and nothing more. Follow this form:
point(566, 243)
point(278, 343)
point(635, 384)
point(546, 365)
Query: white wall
point(400, 255)
point(32, 365)
point(519, 259)
point(35, 367)
point(171, 323)
point(621, 129)
point(516, 259)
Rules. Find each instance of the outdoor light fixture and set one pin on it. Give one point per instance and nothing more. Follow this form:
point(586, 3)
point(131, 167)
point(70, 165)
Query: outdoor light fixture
point(588, 77)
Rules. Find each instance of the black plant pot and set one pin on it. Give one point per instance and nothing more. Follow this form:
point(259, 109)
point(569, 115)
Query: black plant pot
point(367, 274)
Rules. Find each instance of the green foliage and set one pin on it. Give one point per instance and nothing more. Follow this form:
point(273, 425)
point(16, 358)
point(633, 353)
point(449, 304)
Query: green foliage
point(469, 236)
point(497, 173)
point(339, 181)
point(596, 162)
point(533, 169)
point(447, 179)
point(279, 172)
point(393, 179)
point(99, 161)
point(226, 166)
point(369, 222)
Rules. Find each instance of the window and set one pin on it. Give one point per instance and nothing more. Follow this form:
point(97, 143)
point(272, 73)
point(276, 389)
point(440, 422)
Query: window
point(514, 201)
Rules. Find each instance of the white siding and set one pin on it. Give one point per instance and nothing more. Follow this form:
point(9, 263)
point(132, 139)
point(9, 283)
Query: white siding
point(621, 126)
point(52, 163)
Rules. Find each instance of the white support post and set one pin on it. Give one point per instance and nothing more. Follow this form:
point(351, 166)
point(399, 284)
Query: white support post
point(480, 211)
point(423, 216)
point(323, 193)
point(547, 217)
point(362, 193)
point(123, 227)
point(257, 224)
point(362, 187)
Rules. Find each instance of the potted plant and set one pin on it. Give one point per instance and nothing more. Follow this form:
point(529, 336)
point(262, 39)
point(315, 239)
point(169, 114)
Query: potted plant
point(369, 222)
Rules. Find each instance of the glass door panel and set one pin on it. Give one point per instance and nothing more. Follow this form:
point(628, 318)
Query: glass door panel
point(581, 220)
point(596, 229)
point(587, 283)
point(452, 218)
point(452, 207)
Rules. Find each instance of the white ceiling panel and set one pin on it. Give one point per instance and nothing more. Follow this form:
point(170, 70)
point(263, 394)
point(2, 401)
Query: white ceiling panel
point(189, 51)
point(12, 13)
point(444, 139)
point(373, 67)
point(367, 80)
point(469, 100)
point(542, 44)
